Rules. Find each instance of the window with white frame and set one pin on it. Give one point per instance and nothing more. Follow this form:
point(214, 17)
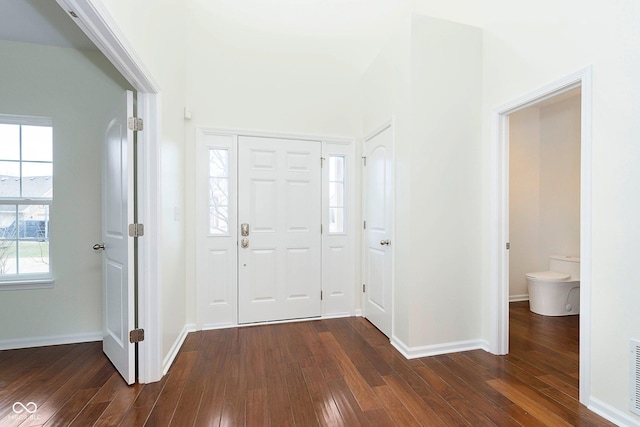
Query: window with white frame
point(218, 191)
point(26, 195)
point(336, 194)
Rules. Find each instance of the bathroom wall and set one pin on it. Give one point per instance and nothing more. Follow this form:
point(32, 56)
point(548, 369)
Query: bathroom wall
point(544, 188)
point(560, 178)
point(524, 200)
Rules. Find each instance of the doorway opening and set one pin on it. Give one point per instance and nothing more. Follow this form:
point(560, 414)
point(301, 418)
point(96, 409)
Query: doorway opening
point(544, 203)
point(560, 91)
point(97, 25)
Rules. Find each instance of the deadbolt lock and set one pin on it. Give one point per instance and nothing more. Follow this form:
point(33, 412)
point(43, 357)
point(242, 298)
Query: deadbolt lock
point(244, 229)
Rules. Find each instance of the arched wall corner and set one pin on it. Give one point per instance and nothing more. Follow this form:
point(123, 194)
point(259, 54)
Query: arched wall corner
point(95, 21)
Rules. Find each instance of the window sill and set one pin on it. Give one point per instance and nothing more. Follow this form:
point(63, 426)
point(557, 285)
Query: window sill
point(24, 283)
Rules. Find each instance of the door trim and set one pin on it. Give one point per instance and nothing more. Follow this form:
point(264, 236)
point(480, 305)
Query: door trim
point(391, 123)
point(499, 216)
point(96, 22)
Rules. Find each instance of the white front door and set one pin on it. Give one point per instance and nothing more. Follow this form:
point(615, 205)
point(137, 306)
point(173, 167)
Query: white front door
point(279, 252)
point(117, 264)
point(378, 245)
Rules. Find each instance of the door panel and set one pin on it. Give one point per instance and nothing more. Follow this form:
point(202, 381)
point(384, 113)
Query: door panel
point(279, 196)
point(117, 265)
point(216, 219)
point(378, 177)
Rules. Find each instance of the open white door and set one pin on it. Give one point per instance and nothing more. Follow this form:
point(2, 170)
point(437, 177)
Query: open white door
point(117, 263)
point(378, 211)
point(279, 212)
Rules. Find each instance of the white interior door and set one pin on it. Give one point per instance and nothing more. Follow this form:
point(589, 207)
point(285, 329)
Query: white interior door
point(378, 244)
point(117, 264)
point(279, 200)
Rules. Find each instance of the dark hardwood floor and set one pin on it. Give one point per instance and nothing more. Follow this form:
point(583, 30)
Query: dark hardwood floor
point(339, 372)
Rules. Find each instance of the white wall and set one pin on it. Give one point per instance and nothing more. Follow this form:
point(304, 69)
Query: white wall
point(560, 178)
point(544, 188)
point(429, 77)
point(445, 192)
point(261, 78)
point(156, 31)
point(524, 200)
point(528, 45)
point(469, 12)
point(63, 84)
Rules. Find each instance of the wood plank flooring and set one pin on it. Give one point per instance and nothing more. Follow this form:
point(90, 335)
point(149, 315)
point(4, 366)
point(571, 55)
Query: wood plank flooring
point(338, 372)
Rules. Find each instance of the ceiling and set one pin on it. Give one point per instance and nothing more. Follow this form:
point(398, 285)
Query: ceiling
point(40, 22)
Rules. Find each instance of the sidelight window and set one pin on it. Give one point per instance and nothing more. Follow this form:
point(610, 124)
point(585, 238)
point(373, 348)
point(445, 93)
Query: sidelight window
point(336, 194)
point(218, 192)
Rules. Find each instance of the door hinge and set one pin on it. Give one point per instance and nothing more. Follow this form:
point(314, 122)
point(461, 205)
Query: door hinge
point(135, 124)
point(136, 230)
point(508, 245)
point(320, 295)
point(322, 162)
point(363, 288)
point(364, 159)
point(136, 335)
point(321, 228)
point(364, 225)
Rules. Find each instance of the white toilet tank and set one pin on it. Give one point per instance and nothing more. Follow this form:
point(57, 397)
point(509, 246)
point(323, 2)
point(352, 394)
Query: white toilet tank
point(565, 264)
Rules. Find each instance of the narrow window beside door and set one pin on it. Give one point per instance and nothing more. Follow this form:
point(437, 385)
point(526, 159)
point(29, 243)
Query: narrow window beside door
point(336, 194)
point(26, 195)
point(218, 192)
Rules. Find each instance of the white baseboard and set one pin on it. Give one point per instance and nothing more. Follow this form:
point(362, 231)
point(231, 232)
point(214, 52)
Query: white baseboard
point(613, 414)
point(357, 312)
point(175, 348)
point(436, 349)
point(336, 316)
point(13, 344)
point(516, 298)
point(215, 326)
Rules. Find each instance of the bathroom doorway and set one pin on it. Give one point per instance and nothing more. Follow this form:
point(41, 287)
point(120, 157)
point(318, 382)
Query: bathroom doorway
point(544, 187)
point(576, 84)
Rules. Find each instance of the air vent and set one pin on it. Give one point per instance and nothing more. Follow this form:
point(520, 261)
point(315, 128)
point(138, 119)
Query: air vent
point(635, 377)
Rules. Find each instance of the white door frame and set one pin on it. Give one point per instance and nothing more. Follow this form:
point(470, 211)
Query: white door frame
point(96, 22)
point(499, 215)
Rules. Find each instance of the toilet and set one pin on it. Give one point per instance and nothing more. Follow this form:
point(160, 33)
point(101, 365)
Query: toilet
point(556, 292)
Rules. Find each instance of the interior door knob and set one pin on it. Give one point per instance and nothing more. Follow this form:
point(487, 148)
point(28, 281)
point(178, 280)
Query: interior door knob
point(98, 246)
point(385, 242)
